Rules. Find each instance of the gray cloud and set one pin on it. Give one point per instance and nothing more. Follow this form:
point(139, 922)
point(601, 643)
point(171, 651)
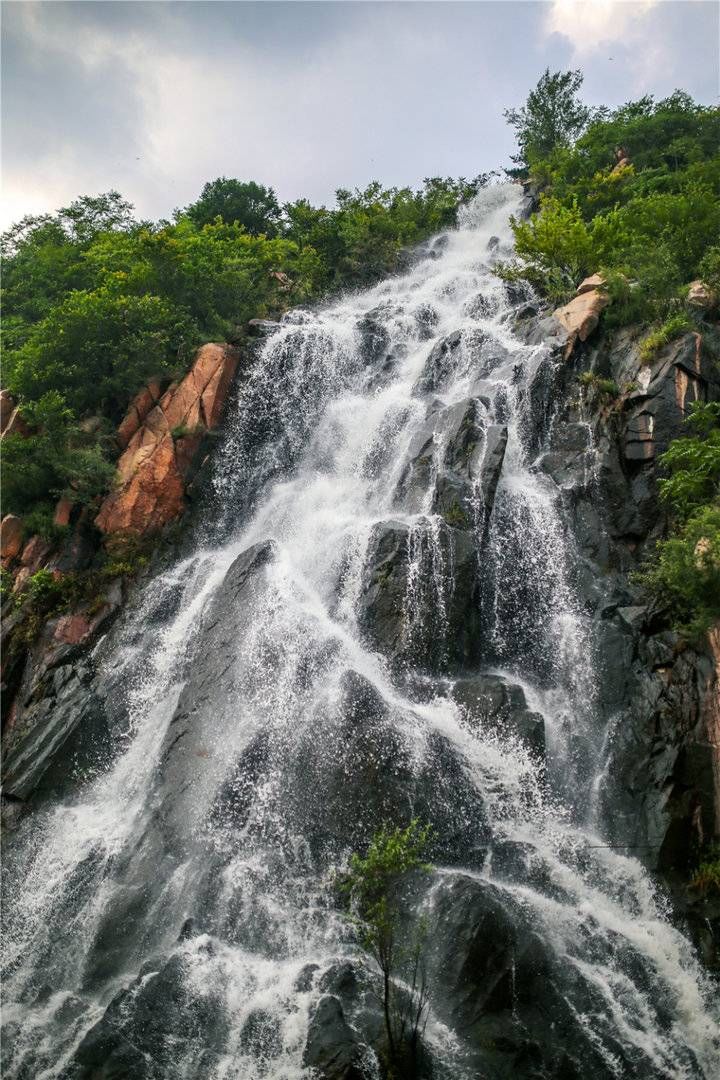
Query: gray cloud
point(155, 99)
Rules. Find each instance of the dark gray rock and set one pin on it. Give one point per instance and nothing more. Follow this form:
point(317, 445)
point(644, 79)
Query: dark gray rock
point(492, 703)
point(332, 1047)
point(456, 458)
point(262, 328)
point(420, 603)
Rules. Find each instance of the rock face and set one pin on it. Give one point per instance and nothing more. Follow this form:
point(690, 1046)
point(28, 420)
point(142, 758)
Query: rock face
point(163, 436)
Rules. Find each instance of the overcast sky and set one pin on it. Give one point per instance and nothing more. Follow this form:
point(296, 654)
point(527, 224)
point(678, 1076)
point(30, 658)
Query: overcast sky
point(156, 98)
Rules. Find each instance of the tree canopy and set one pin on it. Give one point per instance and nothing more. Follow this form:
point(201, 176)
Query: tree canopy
point(553, 116)
point(96, 302)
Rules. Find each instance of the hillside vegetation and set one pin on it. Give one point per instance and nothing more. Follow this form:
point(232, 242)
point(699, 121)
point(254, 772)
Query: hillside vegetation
point(634, 194)
point(95, 303)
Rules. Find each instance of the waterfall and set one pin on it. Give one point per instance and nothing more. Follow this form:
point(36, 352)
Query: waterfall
point(386, 572)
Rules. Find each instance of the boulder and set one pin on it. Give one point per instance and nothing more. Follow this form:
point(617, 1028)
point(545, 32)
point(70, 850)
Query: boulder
point(454, 464)
point(420, 602)
point(59, 717)
point(490, 702)
point(333, 1049)
point(11, 538)
point(262, 328)
point(63, 512)
point(160, 452)
point(701, 296)
point(35, 553)
point(582, 314)
point(595, 281)
point(682, 373)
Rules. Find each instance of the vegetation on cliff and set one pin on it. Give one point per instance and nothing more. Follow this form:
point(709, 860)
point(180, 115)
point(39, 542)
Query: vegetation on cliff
point(634, 195)
point(95, 303)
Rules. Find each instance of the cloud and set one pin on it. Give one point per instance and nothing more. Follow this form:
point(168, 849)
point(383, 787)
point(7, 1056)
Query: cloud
point(154, 99)
point(590, 25)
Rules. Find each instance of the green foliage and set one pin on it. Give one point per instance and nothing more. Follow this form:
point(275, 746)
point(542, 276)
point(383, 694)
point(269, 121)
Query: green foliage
point(694, 463)
point(43, 590)
point(374, 884)
point(706, 878)
point(96, 303)
point(684, 572)
point(672, 327)
point(236, 202)
point(363, 238)
point(596, 384)
point(455, 516)
point(57, 458)
point(552, 117)
point(6, 584)
point(648, 226)
point(709, 269)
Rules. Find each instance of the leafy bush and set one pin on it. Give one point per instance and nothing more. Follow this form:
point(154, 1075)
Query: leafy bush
point(594, 383)
point(58, 458)
point(233, 201)
point(694, 463)
point(685, 572)
point(374, 885)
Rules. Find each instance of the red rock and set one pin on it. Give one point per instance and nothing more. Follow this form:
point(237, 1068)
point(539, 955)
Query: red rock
point(11, 538)
point(63, 510)
point(154, 465)
point(217, 388)
point(701, 296)
point(20, 578)
point(7, 407)
point(582, 314)
point(35, 552)
point(595, 281)
point(16, 425)
point(72, 629)
point(141, 405)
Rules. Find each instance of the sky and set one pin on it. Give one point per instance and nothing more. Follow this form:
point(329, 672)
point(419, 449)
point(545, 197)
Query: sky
point(154, 99)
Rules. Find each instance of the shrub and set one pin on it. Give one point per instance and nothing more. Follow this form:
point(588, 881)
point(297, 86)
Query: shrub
point(694, 463)
point(670, 329)
point(374, 884)
point(684, 574)
point(597, 385)
point(707, 876)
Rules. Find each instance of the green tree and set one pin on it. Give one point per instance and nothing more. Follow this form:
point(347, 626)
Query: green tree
point(375, 885)
point(553, 116)
point(249, 204)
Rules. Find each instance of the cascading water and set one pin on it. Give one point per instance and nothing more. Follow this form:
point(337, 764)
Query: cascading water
point(309, 673)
